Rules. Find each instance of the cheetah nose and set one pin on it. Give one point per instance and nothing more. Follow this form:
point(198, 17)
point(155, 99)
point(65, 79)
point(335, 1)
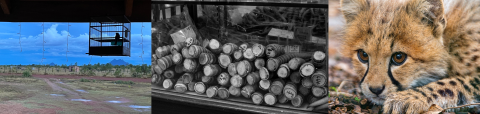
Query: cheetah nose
point(377, 91)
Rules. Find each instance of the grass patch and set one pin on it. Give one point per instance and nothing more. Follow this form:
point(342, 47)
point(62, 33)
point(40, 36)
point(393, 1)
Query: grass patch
point(9, 92)
point(27, 74)
point(124, 82)
point(86, 80)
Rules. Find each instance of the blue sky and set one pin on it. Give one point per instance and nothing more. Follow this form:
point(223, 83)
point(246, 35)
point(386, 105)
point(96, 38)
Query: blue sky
point(56, 44)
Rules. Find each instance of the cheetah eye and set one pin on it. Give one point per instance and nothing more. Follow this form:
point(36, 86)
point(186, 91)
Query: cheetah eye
point(399, 58)
point(362, 56)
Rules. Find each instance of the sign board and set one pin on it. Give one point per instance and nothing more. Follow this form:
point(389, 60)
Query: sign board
point(292, 48)
point(281, 33)
point(303, 33)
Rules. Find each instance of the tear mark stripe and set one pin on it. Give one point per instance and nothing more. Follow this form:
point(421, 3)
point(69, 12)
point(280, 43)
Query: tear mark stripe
point(394, 81)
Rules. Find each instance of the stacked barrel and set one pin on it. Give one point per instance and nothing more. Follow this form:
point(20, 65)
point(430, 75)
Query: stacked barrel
point(264, 74)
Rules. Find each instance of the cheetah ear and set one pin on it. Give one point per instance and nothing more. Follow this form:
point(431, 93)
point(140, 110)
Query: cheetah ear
point(431, 12)
point(351, 8)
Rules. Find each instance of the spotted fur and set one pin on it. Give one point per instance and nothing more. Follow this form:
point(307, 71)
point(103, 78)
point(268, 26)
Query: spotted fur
point(441, 39)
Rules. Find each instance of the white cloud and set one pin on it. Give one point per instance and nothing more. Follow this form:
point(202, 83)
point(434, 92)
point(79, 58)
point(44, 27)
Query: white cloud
point(54, 41)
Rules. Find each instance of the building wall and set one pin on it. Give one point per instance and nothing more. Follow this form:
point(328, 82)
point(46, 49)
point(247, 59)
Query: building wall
point(74, 69)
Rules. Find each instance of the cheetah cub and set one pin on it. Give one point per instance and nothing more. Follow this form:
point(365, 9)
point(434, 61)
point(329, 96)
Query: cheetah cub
point(411, 54)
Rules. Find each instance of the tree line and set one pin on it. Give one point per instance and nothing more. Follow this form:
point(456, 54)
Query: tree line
point(134, 70)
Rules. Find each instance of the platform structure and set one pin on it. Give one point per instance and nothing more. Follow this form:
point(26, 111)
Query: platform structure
point(103, 30)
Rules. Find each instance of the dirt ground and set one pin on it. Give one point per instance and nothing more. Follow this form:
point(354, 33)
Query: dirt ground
point(57, 94)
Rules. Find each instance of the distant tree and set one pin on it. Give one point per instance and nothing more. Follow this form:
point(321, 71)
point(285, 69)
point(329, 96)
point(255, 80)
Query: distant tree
point(118, 66)
point(96, 67)
point(132, 71)
point(109, 66)
point(138, 69)
point(117, 73)
point(103, 67)
point(144, 69)
point(29, 68)
point(65, 67)
point(149, 68)
point(89, 67)
point(75, 63)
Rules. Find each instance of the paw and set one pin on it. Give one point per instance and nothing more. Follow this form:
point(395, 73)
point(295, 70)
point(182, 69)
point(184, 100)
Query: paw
point(405, 102)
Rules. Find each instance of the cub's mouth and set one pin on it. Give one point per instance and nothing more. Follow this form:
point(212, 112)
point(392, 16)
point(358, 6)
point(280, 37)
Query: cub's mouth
point(375, 96)
point(377, 100)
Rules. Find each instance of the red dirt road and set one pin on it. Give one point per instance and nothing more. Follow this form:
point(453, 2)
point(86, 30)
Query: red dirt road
point(148, 80)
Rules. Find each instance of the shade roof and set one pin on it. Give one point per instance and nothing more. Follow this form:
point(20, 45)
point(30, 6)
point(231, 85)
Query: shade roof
point(73, 10)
